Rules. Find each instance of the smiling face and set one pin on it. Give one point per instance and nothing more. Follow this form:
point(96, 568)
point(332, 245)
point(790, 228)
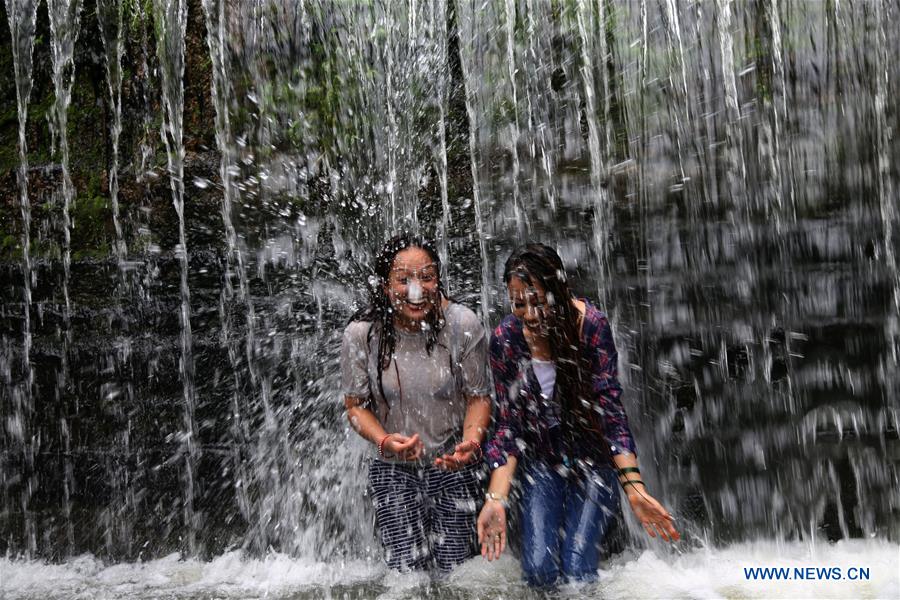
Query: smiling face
point(412, 287)
point(531, 305)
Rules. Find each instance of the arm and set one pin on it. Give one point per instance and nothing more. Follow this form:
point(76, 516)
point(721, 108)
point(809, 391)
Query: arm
point(492, 518)
point(508, 425)
point(355, 384)
point(652, 515)
point(617, 436)
point(475, 384)
point(607, 390)
point(502, 451)
point(477, 421)
point(369, 427)
point(363, 421)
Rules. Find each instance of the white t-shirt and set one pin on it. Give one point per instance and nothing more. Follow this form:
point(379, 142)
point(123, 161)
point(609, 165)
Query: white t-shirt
point(545, 371)
point(423, 392)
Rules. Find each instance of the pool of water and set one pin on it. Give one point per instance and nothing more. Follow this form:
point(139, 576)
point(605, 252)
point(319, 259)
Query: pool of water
point(694, 573)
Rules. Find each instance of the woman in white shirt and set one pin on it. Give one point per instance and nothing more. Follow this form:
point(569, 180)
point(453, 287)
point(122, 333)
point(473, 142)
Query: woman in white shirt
point(416, 385)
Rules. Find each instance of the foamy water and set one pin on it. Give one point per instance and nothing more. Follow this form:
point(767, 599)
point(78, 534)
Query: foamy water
point(703, 573)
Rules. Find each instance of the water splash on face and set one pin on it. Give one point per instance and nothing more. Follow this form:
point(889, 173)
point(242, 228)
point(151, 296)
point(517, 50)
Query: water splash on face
point(415, 293)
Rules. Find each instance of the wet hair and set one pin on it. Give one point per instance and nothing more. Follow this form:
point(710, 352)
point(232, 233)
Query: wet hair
point(380, 313)
point(539, 263)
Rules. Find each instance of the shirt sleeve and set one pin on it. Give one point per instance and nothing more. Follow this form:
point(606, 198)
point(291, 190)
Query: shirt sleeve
point(608, 391)
point(508, 424)
point(473, 359)
point(354, 360)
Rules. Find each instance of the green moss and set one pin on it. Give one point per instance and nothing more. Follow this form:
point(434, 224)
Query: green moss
point(90, 217)
point(9, 156)
point(9, 246)
point(9, 117)
point(9, 134)
point(98, 253)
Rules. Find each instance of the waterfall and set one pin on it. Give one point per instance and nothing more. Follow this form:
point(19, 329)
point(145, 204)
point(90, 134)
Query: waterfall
point(887, 198)
point(514, 123)
point(214, 10)
point(21, 15)
point(64, 25)
point(737, 172)
point(109, 18)
point(170, 19)
point(602, 212)
point(442, 68)
point(466, 14)
point(538, 90)
point(119, 517)
point(392, 127)
point(706, 128)
point(722, 173)
point(678, 83)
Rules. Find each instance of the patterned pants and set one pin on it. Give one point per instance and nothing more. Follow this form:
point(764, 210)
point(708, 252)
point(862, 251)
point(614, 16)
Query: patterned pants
point(425, 516)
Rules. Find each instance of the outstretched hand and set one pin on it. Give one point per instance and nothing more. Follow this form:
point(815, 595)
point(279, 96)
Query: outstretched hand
point(403, 447)
point(492, 529)
point(653, 516)
point(463, 454)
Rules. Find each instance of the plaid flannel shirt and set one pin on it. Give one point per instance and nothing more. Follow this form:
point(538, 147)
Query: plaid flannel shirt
point(523, 417)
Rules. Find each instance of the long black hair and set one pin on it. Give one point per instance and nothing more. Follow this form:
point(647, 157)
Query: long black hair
point(539, 263)
point(380, 313)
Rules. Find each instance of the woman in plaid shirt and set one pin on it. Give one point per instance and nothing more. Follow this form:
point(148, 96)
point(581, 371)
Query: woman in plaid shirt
point(560, 418)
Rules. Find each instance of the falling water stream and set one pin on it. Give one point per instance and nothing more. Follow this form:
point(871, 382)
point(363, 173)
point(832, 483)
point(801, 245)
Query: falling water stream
point(110, 14)
point(721, 177)
point(21, 15)
point(170, 19)
point(64, 24)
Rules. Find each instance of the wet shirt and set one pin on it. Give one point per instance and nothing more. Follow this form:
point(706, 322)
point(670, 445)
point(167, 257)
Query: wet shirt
point(423, 393)
point(527, 420)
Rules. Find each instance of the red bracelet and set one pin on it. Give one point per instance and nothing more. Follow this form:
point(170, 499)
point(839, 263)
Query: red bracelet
point(381, 445)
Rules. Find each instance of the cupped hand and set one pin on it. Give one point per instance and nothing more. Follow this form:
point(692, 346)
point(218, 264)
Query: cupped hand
point(404, 447)
point(492, 529)
point(463, 454)
point(654, 518)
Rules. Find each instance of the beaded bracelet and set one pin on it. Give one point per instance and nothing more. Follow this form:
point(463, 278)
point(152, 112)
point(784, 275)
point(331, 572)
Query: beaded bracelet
point(632, 482)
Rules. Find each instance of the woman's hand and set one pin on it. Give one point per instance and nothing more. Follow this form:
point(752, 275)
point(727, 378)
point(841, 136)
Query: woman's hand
point(652, 515)
point(492, 529)
point(463, 454)
point(403, 447)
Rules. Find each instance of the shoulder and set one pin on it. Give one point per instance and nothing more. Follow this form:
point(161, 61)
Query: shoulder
point(463, 317)
point(509, 328)
point(593, 315)
point(597, 330)
point(507, 338)
point(357, 331)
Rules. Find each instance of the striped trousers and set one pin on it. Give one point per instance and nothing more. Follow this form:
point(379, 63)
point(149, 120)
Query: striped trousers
point(425, 516)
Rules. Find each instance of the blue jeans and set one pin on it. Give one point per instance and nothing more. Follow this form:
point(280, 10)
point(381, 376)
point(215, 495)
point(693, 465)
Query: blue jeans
point(564, 519)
